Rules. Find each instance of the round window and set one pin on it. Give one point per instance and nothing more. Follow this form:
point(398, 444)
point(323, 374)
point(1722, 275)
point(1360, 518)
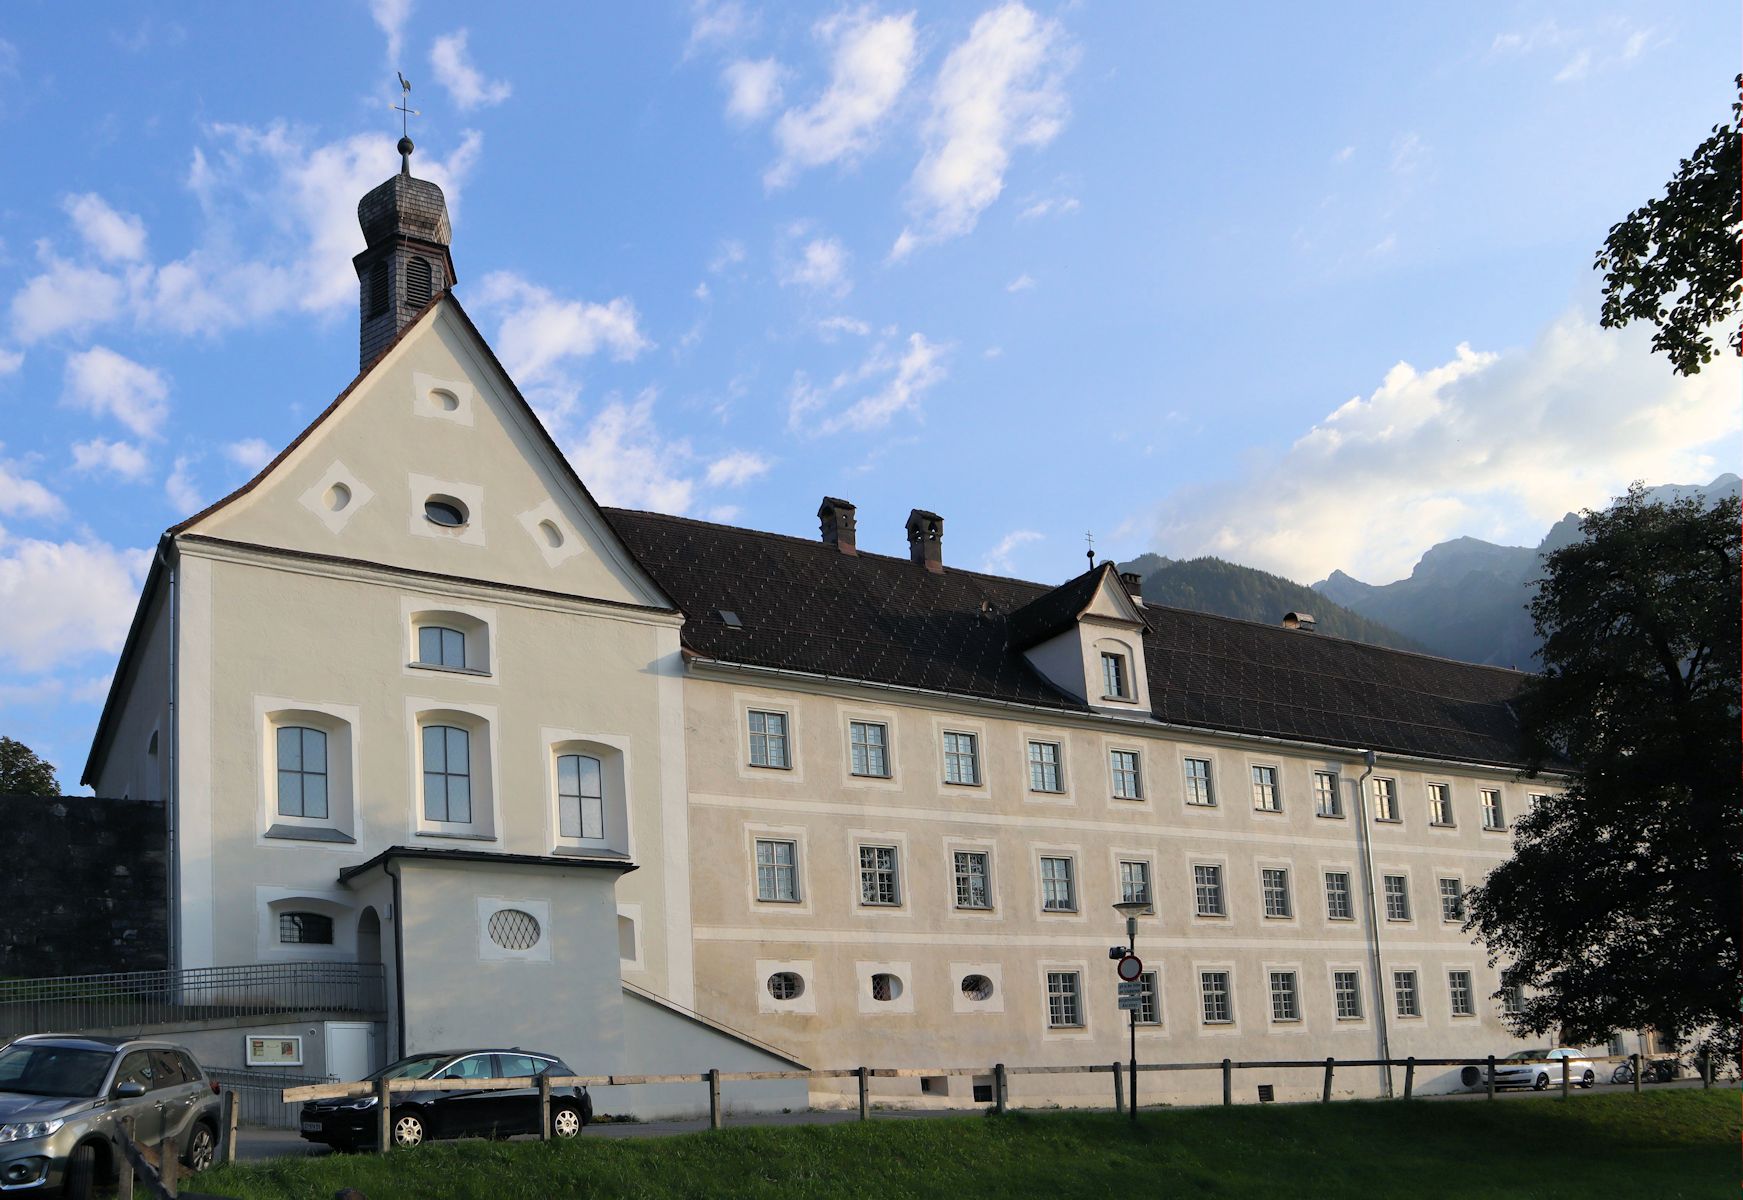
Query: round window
point(885, 987)
point(445, 511)
point(977, 987)
point(337, 497)
point(786, 985)
point(552, 535)
point(445, 400)
point(513, 929)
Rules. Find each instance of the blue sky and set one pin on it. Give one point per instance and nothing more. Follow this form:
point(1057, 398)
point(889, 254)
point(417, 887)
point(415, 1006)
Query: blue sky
point(1307, 287)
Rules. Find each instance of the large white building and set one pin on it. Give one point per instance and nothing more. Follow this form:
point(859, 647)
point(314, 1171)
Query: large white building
point(659, 795)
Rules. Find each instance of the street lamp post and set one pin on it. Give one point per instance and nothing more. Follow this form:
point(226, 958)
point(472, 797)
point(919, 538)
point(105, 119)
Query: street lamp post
point(1132, 910)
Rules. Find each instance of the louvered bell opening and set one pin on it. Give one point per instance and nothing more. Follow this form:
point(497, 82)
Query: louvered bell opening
point(417, 283)
point(377, 303)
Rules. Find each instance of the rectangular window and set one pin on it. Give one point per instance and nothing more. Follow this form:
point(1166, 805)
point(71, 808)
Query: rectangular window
point(1207, 889)
point(1265, 797)
point(439, 647)
point(1385, 800)
point(1123, 767)
point(1452, 900)
point(1492, 818)
point(1149, 999)
point(1346, 993)
point(1512, 1001)
point(302, 772)
point(1404, 990)
point(580, 797)
point(877, 875)
point(1135, 883)
point(1198, 788)
point(777, 870)
point(1113, 677)
point(305, 928)
point(1064, 1000)
point(962, 758)
point(447, 774)
point(1057, 892)
point(1397, 889)
point(1338, 906)
point(768, 739)
point(972, 890)
point(1440, 810)
point(1044, 773)
point(870, 744)
point(1285, 998)
point(1274, 885)
point(1458, 985)
point(1327, 799)
point(1213, 987)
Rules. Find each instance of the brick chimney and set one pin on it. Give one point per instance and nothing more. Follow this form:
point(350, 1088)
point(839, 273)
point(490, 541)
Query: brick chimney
point(837, 520)
point(1134, 586)
point(926, 540)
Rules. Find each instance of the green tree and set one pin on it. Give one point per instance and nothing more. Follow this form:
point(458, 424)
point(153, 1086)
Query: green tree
point(1621, 906)
point(22, 773)
point(1674, 261)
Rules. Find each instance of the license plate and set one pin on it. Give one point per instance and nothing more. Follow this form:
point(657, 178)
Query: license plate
point(311, 1127)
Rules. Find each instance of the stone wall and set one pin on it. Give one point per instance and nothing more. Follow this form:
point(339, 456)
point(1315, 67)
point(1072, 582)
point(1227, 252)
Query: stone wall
point(83, 890)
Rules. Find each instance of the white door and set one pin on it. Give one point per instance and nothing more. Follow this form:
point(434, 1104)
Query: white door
point(350, 1049)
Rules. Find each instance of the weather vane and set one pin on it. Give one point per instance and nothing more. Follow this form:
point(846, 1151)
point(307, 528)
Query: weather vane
point(1090, 553)
point(403, 108)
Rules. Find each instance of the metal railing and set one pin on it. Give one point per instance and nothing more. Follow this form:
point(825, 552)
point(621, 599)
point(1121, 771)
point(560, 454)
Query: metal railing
point(260, 1095)
point(135, 1000)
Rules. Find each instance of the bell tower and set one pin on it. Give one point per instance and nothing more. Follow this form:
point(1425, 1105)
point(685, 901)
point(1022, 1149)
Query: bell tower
point(405, 263)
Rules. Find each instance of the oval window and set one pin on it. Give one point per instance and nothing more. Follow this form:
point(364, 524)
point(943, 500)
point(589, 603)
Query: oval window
point(445, 511)
point(513, 929)
point(977, 987)
point(786, 985)
point(885, 987)
point(337, 497)
point(553, 536)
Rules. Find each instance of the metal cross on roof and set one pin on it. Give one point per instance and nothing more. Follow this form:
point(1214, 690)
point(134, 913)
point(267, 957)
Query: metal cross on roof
point(403, 108)
point(1090, 553)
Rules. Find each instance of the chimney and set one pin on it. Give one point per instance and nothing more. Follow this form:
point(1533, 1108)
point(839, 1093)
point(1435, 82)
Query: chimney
point(837, 519)
point(1134, 586)
point(1298, 620)
point(926, 540)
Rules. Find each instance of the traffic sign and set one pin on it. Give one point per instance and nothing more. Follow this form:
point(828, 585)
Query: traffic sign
point(1135, 988)
point(1129, 968)
point(1131, 1003)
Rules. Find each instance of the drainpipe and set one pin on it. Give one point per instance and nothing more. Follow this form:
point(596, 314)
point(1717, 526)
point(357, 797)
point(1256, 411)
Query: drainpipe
point(392, 869)
point(172, 800)
point(1367, 856)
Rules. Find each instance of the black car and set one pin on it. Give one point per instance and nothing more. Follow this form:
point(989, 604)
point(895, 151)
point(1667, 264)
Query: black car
point(420, 1116)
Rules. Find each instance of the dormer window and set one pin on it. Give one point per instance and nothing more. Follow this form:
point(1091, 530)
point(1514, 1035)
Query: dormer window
point(1115, 682)
point(439, 646)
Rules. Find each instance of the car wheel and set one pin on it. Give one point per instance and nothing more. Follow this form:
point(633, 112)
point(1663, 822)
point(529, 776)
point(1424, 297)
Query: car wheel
point(1541, 1082)
point(81, 1174)
point(408, 1131)
point(1588, 1079)
point(566, 1121)
point(202, 1148)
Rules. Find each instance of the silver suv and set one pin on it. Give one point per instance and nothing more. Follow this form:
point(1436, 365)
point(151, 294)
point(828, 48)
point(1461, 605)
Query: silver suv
point(62, 1097)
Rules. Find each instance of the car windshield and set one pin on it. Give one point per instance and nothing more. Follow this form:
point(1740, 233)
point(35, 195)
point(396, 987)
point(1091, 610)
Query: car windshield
point(418, 1066)
point(35, 1070)
point(1529, 1054)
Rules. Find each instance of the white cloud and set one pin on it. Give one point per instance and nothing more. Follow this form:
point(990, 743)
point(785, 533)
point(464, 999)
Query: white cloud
point(122, 459)
point(901, 380)
point(1576, 67)
point(701, 291)
point(539, 331)
point(390, 17)
point(737, 469)
point(998, 559)
point(1344, 155)
point(1021, 283)
point(724, 514)
point(730, 254)
point(1408, 154)
point(871, 60)
point(105, 383)
point(10, 361)
point(1001, 86)
point(993, 352)
point(183, 493)
point(250, 454)
point(716, 22)
point(25, 497)
point(753, 88)
point(64, 298)
point(829, 328)
point(1497, 446)
point(454, 71)
point(65, 600)
point(821, 265)
point(1607, 42)
point(112, 236)
point(625, 460)
point(1049, 206)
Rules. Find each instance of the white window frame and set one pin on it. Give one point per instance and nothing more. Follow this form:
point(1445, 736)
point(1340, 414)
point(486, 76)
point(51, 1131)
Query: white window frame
point(1205, 994)
point(1189, 782)
point(792, 867)
point(1122, 676)
point(1469, 1008)
point(1287, 908)
point(1498, 813)
point(1349, 893)
point(888, 773)
point(1440, 806)
point(973, 755)
point(1355, 992)
point(1275, 786)
point(1221, 891)
point(894, 871)
point(1335, 810)
point(1415, 977)
point(1071, 904)
point(1292, 992)
point(1065, 986)
point(1031, 762)
point(957, 877)
point(785, 736)
point(1401, 894)
point(1149, 1014)
point(1115, 773)
point(482, 757)
point(1149, 879)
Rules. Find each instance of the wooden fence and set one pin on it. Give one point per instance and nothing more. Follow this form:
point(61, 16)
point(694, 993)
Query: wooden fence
point(384, 1090)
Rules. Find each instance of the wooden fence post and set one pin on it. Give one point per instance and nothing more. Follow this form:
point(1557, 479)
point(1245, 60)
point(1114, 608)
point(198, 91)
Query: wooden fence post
point(544, 1107)
point(1409, 1076)
point(865, 1093)
point(1635, 1060)
point(1000, 1098)
point(124, 1184)
point(1119, 1090)
point(383, 1117)
point(169, 1165)
point(1707, 1071)
point(1325, 1092)
point(1228, 1081)
point(1491, 1077)
point(232, 1111)
point(1564, 1079)
point(714, 1121)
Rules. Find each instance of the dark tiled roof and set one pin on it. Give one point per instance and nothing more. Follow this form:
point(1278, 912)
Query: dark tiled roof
point(805, 606)
point(1053, 611)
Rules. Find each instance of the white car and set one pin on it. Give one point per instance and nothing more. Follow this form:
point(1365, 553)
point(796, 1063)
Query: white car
point(1512, 1072)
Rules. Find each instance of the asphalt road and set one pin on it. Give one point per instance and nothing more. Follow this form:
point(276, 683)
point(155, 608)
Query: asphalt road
point(258, 1144)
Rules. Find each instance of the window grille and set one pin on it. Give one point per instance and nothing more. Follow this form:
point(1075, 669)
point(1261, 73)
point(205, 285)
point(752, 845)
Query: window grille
point(786, 985)
point(971, 879)
point(305, 928)
point(885, 988)
point(513, 929)
point(977, 988)
point(877, 875)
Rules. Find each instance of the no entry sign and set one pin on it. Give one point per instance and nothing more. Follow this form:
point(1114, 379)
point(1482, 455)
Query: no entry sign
point(1129, 968)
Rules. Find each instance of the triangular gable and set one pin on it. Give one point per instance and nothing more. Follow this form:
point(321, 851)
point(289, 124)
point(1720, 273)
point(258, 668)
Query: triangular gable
point(1111, 601)
point(435, 415)
point(1097, 592)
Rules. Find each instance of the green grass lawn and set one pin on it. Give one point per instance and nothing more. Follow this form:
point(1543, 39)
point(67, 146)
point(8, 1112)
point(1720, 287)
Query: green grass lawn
point(1660, 1144)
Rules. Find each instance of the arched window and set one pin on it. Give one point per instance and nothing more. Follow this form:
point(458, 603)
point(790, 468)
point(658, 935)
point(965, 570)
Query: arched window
point(580, 797)
point(439, 646)
point(447, 774)
point(377, 300)
point(302, 772)
point(305, 928)
point(417, 283)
